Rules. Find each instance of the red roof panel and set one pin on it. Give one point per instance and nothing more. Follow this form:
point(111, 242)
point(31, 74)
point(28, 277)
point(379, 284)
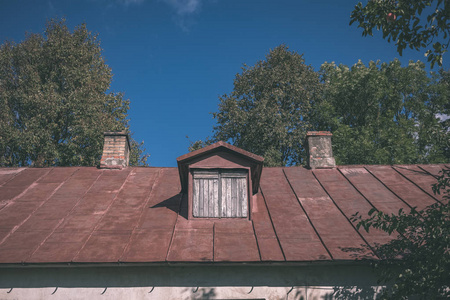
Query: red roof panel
point(349, 201)
point(402, 187)
point(60, 215)
point(435, 170)
point(290, 221)
point(20, 245)
point(194, 245)
point(419, 177)
point(326, 218)
point(7, 174)
point(59, 247)
point(106, 247)
point(374, 191)
point(231, 245)
point(148, 245)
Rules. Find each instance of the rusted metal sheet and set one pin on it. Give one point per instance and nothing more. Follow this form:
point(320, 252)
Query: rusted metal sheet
point(148, 245)
point(157, 220)
point(192, 245)
point(334, 229)
point(234, 241)
point(402, 187)
point(19, 184)
point(435, 170)
point(20, 245)
point(268, 244)
point(7, 174)
point(60, 247)
point(422, 179)
point(80, 214)
point(106, 247)
point(349, 201)
point(374, 191)
point(291, 224)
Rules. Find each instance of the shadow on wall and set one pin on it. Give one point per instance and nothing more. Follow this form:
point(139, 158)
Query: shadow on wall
point(326, 281)
point(356, 292)
point(201, 293)
point(298, 293)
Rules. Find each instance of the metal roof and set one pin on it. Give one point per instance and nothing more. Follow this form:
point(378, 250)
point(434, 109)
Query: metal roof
point(90, 215)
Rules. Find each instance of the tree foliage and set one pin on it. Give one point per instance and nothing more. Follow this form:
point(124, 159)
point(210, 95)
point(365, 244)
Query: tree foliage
point(402, 22)
point(55, 102)
point(268, 111)
point(384, 113)
point(416, 263)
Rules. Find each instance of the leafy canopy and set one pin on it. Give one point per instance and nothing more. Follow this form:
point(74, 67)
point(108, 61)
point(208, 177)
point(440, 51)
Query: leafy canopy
point(267, 113)
point(384, 113)
point(415, 24)
point(55, 101)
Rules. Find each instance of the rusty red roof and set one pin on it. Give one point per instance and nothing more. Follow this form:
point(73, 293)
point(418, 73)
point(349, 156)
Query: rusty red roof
point(138, 214)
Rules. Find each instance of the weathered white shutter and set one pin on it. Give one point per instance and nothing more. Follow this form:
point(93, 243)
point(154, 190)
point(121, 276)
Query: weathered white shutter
point(206, 194)
point(234, 194)
point(220, 193)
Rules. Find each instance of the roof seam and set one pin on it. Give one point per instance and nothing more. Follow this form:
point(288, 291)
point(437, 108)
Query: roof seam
point(256, 238)
point(106, 212)
point(306, 214)
point(356, 189)
point(271, 222)
point(62, 219)
point(73, 208)
point(432, 196)
point(149, 196)
point(351, 223)
point(59, 223)
point(426, 171)
point(31, 213)
point(14, 176)
point(28, 188)
point(359, 190)
point(387, 187)
point(173, 230)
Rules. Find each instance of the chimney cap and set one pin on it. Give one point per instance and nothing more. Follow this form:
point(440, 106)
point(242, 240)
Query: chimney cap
point(123, 132)
point(319, 133)
point(119, 133)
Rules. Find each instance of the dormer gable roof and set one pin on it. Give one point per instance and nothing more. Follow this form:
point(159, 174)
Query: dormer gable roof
point(254, 161)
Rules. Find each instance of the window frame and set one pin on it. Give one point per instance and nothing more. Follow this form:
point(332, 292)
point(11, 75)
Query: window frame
point(220, 170)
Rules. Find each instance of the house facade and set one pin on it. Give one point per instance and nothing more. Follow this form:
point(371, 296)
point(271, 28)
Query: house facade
point(220, 226)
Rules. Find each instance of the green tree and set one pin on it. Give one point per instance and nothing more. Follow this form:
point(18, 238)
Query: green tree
point(416, 262)
point(267, 113)
point(402, 21)
point(384, 113)
point(55, 102)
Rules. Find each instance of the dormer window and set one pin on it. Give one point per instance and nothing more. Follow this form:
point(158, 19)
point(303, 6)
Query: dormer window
point(220, 193)
point(220, 181)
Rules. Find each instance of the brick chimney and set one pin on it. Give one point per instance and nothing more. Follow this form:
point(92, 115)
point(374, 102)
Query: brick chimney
point(320, 154)
point(116, 150)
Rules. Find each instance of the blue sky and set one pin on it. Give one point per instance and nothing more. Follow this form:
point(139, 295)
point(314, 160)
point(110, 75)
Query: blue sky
point(173, 58)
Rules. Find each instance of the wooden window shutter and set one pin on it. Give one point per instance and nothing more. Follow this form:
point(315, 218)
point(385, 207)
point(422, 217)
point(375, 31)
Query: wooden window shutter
point(220, 194)
point(206, 194)
point(234, 194)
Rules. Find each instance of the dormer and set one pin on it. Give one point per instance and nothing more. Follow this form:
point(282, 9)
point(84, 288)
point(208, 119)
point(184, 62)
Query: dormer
point(220, 181)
